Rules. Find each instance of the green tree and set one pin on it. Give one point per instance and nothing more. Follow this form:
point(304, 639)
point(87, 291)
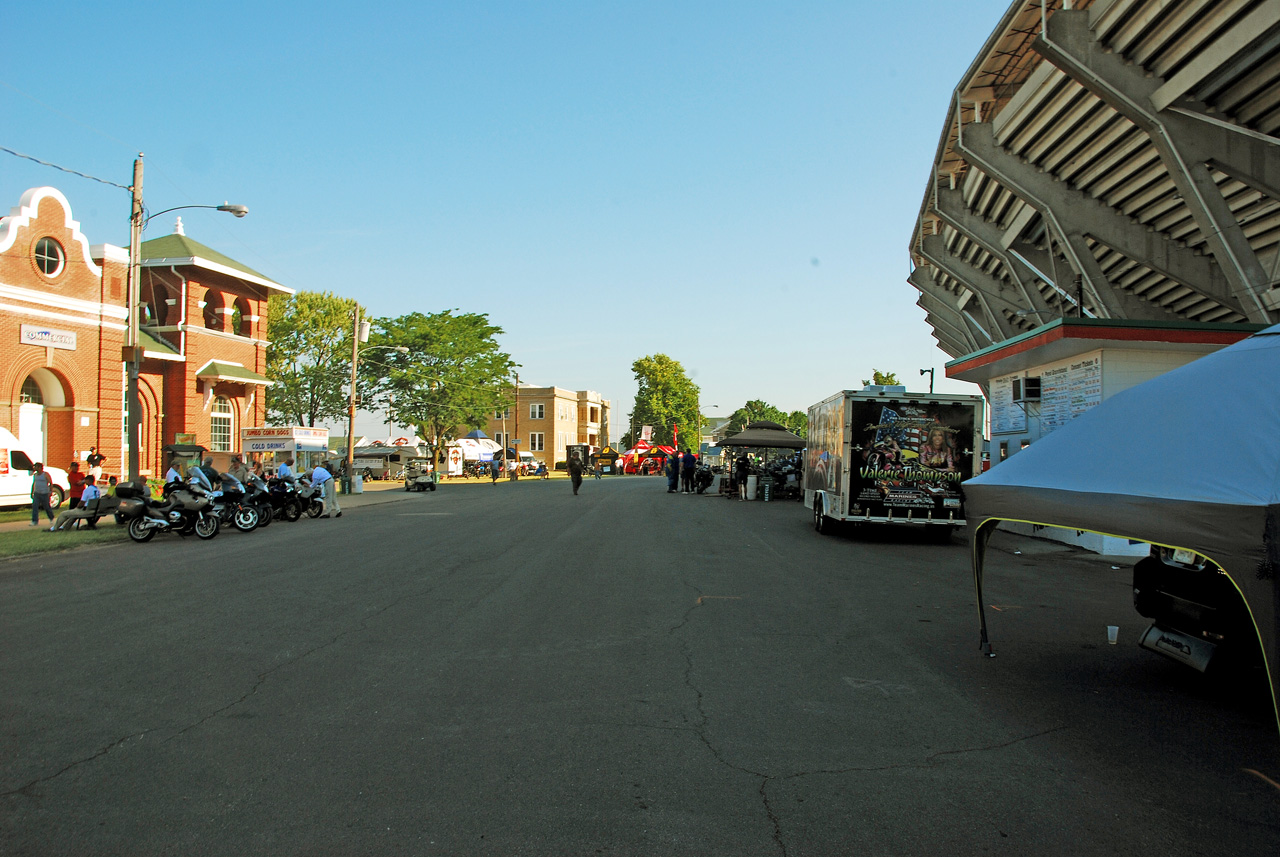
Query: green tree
point(452, 376)
point(665, 397)
point(882, 379)
point(309, 358)
point(751, 412)
point(796, 421)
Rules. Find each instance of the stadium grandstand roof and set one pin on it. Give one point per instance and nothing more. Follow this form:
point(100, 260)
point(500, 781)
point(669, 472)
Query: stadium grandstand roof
point(1109, 159)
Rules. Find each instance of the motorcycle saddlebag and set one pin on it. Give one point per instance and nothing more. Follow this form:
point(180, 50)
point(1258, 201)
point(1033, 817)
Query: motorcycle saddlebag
point(131, 490)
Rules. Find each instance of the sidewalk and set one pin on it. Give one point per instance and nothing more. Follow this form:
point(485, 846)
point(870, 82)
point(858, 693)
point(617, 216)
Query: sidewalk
point(374, 494)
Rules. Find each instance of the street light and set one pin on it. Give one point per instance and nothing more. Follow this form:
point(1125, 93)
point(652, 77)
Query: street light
point(132, 352)
point(930, 373)
point(360, 333)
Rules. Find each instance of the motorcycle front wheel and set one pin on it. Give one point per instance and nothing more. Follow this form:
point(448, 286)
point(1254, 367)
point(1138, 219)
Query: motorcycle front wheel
point(245, 519)
point(139, 531)
point(315, 509)
point(265, 515)
point(207, 527)
point(292, 510)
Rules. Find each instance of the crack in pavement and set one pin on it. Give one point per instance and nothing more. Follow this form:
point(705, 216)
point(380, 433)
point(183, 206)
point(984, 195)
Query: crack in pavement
point(25, 789)
point(699, 728)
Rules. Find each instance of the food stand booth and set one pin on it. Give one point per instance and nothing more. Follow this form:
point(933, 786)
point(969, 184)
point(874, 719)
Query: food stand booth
point(306, 446)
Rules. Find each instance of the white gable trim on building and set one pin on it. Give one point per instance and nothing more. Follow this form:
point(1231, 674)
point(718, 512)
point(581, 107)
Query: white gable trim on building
point(22, 214)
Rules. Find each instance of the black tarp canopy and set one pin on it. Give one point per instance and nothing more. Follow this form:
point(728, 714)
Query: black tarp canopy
point(1189, 459)
point(763, 434)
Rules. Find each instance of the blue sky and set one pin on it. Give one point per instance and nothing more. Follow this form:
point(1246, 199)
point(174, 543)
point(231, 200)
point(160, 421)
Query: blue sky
point(731, 184)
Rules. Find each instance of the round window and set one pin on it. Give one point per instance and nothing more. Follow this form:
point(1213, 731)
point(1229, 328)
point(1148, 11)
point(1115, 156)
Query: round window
point(50, 257)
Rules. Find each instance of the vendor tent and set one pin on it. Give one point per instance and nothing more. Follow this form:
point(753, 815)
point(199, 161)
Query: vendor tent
point(476, 434)
point(1190, 459)
point(763, 434)
point(476, 450)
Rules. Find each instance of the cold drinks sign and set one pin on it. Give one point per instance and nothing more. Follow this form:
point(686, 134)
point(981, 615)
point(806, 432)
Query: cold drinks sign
point(289, 439)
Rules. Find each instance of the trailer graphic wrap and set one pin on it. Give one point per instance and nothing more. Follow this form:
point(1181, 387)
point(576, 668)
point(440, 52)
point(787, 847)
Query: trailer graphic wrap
point(823, 459)
point(909, 458)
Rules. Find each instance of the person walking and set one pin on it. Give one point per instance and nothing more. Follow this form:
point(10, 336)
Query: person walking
point(76, 480)
point(323, 479)
point(575, 472)
point(41, 488)
point(690, 464)
point(494, 467)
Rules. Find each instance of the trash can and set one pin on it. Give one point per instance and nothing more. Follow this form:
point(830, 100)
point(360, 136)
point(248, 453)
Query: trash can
point(357, 483)
point(767, 485)
point(752, 484)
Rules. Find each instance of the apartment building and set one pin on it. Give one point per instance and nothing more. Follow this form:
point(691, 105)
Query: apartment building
point(545, 420)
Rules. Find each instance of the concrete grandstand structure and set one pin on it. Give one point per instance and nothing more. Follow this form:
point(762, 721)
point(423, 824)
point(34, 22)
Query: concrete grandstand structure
point(1114, 159)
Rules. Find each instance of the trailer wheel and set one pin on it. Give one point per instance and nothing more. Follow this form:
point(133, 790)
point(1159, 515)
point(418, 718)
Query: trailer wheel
point(821, 523)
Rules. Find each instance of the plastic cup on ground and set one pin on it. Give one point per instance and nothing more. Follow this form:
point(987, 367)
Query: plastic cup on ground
point(1113, 631)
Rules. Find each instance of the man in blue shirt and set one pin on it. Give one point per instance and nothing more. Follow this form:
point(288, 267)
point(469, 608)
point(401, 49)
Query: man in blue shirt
point(686, 472)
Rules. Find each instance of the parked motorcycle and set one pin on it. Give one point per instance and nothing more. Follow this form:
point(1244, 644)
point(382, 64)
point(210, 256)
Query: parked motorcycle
point(231, 504)
point(187, 508)
point(312, 502)
point(285, 502)
point(259, 496)
point(702, 478)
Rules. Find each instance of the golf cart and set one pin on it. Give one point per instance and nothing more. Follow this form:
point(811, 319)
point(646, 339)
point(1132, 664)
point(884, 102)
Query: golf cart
point(419, 475)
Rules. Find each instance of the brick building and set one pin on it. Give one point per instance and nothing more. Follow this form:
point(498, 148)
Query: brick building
point(547, 419)
point(63, 320)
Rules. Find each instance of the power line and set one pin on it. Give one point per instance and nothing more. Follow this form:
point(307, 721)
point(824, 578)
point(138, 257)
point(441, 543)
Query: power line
point(64, 169)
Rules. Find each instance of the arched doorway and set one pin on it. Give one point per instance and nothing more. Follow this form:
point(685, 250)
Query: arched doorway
point(40, 391)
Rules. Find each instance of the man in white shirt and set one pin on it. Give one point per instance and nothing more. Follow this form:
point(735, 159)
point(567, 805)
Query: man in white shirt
point(323, 478)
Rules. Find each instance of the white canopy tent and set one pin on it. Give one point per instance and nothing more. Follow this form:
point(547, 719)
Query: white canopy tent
point(1190, 459)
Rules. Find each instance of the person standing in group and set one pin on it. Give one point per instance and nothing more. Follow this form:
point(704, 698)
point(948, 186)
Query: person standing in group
point(285, 473)
point(689, 465)
point(94, 459)
point(740, 471)
point(41, 488)
point(238, 469)
point(673, 472)
point(211, 473)
point(323, 479)
point(76, 480)
point(174, 473)
point(575, 471)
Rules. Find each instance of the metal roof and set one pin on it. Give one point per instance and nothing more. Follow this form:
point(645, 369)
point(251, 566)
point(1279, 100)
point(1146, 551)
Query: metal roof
point(1109, 159)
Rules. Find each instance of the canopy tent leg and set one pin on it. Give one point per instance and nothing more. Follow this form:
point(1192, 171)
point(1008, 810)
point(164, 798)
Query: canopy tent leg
point(979, 535)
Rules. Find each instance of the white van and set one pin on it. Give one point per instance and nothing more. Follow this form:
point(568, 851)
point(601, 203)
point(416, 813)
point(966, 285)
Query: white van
point(15, 474)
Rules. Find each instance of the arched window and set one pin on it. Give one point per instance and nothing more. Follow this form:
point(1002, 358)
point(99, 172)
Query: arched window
point(30, 394)
point(220, 425)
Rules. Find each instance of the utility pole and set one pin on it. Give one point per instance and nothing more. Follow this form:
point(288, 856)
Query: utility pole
point(351, 402)
point(133, 345)
point(515, 471)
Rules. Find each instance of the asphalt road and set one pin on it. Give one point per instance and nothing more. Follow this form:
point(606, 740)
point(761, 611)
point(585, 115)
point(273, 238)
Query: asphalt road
point(511, 669)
